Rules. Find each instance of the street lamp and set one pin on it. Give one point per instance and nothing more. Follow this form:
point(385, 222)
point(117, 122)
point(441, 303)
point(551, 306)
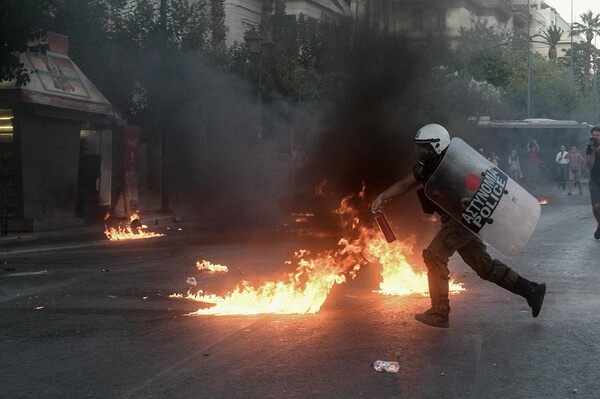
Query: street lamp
point(259, 46)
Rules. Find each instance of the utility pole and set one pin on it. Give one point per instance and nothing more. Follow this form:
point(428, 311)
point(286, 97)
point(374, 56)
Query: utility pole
point(571, 34)
point(164, 139)
point(528, 59)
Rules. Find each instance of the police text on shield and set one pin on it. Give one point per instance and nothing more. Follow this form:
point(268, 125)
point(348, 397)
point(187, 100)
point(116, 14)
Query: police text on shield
point(486, 199)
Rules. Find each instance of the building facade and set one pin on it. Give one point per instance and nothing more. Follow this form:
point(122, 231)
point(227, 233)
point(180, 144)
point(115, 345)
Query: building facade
point(243, 15)
point(416, 19)
point(55, 146)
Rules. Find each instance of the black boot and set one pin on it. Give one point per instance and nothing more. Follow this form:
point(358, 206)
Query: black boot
point(533, 292)
point(436, 316)
point(535, 299)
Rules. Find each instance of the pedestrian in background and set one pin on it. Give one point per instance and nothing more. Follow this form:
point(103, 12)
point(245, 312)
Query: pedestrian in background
point(494, 159)
point(562, 162)
point(514, 166)
point(575, 164)
point(593, 164)
point(533, 162)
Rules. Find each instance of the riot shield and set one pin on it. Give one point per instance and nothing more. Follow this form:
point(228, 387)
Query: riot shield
point(483, 198)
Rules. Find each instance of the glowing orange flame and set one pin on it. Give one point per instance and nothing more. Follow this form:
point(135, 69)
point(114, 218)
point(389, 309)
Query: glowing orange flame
point(348, 215)
point(302, 217)
point(206, 265)
point(320, 189)
point(361, 195)
point(399, 277)
point(305, 290)
point(133, 231)
point(544, 201)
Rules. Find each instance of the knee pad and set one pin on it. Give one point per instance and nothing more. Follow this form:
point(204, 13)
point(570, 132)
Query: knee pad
point(502, 278)
point(435, 264)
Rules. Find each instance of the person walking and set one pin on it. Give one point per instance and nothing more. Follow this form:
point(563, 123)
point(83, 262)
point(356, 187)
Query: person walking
point(431, 142)
point(575, 164)
point(533, 162)
point(514, 166)
point(592, 153)
point(562, 162)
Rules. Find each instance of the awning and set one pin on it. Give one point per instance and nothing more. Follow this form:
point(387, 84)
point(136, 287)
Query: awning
point(56, 81)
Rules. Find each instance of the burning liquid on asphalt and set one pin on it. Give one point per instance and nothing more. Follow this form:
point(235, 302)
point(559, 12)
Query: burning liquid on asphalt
point(134, 230)
point(305, 290)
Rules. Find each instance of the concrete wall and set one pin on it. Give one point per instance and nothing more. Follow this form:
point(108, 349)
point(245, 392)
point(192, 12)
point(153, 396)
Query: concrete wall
point(49, 151)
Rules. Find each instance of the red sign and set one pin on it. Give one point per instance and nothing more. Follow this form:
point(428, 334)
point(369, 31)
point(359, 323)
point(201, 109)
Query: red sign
point(131, 147)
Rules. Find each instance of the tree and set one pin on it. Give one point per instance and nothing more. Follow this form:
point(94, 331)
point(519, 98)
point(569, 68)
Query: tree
point(494, 57)
point(552, 36)
point(590, 26)
point(23, 25)
point(487, 54)
point(218, 29)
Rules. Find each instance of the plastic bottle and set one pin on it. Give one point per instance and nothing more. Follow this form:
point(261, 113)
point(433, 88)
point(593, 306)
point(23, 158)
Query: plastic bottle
point(382, 365)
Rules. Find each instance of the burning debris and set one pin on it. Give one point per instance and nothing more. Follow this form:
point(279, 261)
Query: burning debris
point(305, 290)
point(544, 201)
point(206, 265)
point(133, 231)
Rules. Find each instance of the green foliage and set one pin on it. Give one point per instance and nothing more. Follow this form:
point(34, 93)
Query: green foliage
point(218, 29)
point(579, 55)
point(552, 93)
point(293, 62)
point(589, 26)
point(551, 36)
point(21, 21)
point(486, 54)
point(493, 57)
point(125, 47)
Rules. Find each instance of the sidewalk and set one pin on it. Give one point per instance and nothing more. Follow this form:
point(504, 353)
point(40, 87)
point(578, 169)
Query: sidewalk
point(150, 214)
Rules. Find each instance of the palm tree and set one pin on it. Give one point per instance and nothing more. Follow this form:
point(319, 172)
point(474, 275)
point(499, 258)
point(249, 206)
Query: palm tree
point(590, 25)
point(551, 36)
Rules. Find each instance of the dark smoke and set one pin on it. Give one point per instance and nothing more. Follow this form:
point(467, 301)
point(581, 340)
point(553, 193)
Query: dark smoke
point(386, 99)
point(362, 133)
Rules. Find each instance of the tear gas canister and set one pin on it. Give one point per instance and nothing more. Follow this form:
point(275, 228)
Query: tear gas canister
point(385, 227)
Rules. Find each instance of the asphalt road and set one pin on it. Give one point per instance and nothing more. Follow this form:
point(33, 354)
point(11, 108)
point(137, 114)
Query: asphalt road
point(87, 318)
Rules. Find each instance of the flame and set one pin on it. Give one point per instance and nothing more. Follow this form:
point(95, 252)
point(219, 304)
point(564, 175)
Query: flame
point(305, 290)
point(399, 276)
point(348, 215)
point(361, 195)
point(128, 232)
point(302, 292)
point(206, 265)
point(320, 189)
point(302, 217)
point(544, 201)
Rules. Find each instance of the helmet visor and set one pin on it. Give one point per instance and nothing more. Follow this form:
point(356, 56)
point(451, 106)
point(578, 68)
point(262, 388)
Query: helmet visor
point(424, 151)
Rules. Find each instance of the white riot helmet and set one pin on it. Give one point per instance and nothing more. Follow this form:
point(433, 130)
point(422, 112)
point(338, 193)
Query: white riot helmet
point(434, 135)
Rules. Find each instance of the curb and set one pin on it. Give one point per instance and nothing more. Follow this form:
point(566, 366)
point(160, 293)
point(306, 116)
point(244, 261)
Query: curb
point(17, 238)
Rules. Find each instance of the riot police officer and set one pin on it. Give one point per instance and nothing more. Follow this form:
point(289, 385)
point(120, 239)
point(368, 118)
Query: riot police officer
point(431, 143)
